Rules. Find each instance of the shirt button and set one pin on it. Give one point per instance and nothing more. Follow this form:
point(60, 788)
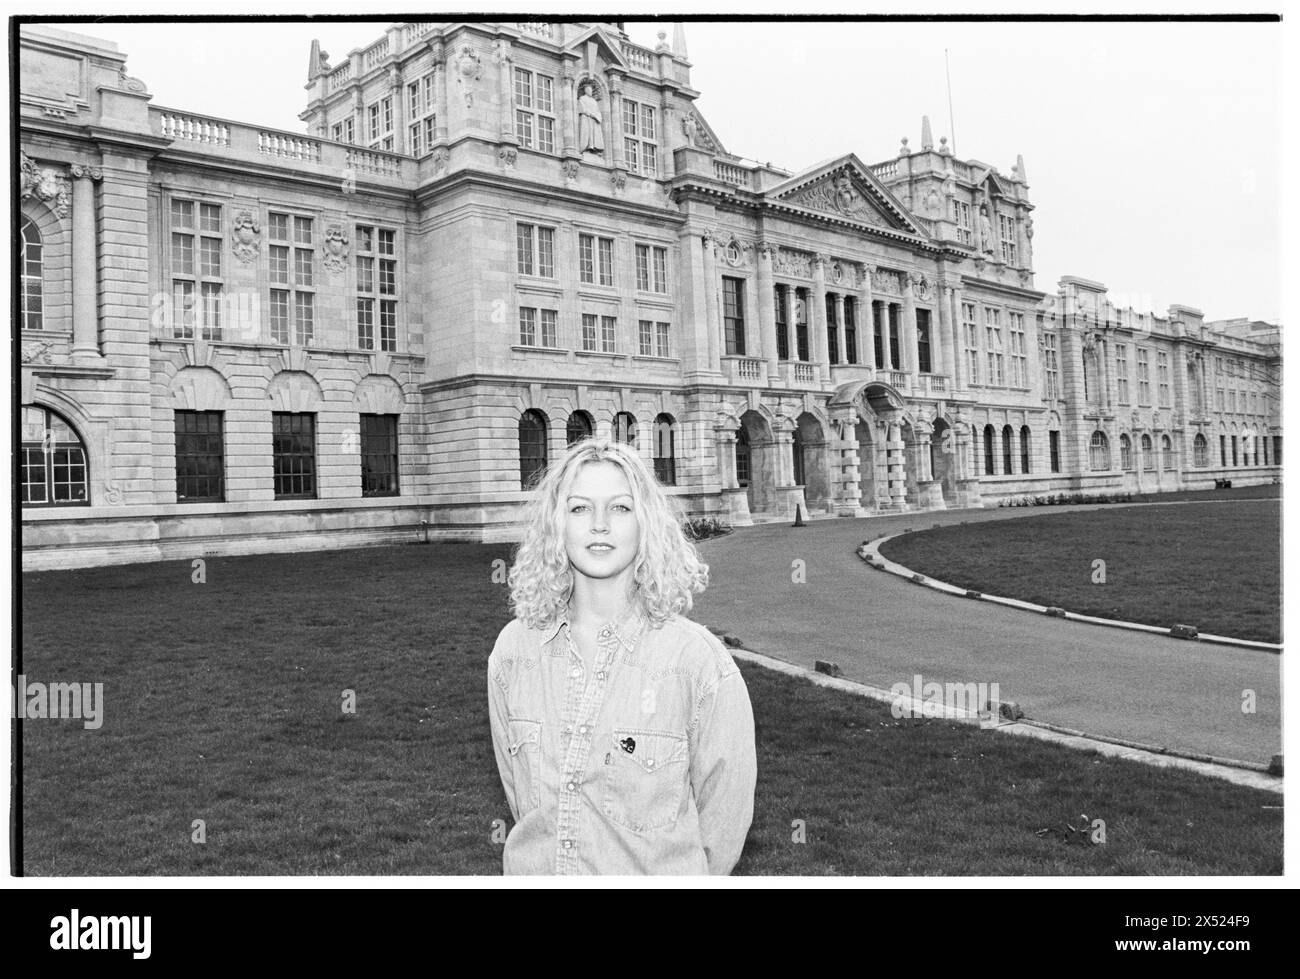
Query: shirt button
point(583, 729)
point(650, 763)
point(573, 786)
point(567, 844)
point(576, 672)
point(604, 633)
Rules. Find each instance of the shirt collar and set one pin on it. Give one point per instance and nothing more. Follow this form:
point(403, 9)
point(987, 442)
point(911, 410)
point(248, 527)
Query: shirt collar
point(626, 628)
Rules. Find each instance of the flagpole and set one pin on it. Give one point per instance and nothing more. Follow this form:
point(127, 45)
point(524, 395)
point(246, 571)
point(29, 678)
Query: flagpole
point(952, 125)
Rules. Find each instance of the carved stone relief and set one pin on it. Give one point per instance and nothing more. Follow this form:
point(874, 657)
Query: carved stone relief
point(45, 184)
point(335, 248)
point(785, 262)
point(837, 195)
point(245, 234)
point(468, 68)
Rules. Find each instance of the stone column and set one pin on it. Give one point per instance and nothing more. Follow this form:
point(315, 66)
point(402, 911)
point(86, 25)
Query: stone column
point(946, 335)
point(616, 120)
point(896, 466)
point(960, 378)
point(907, 332)
point(866, 320)
point(840, 335)
point(670, 135)
point(819, 348)
point(399, 110)
point(85, 264)
point(568, 99)
point(767, 307)
point(791, 327)
point(436, 50)
point(711, 286)
point(505, 75)
point(848, 502)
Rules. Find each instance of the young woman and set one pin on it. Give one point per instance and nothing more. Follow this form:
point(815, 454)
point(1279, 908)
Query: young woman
point(623, 731)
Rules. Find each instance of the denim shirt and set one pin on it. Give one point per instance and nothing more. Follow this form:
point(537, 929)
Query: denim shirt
point(641, 762)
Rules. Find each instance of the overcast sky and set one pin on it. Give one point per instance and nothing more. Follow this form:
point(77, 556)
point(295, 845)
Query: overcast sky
point(1152, 150)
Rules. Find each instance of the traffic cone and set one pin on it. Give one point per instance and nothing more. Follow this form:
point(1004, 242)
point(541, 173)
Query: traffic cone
point(798, 515)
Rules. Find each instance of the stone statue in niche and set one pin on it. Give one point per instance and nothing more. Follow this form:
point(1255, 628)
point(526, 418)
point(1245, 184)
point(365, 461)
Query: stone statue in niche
point(591, 136)
point(244, 234)
point(986, 231)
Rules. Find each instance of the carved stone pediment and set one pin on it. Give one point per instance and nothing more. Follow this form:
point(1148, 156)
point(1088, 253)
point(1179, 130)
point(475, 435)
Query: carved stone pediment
point(838, 194)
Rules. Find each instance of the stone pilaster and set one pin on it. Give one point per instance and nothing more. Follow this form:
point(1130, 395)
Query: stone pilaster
point(767, 307)
point(819, 349)
point(85, 265)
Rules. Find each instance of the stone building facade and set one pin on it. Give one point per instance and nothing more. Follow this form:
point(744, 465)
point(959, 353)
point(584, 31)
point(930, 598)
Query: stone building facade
point(492, 239)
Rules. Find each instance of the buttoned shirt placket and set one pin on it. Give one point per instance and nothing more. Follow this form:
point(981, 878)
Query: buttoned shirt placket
point(584, 695)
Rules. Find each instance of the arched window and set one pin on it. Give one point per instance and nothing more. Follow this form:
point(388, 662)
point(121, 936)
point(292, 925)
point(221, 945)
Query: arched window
point(54, 461)
point(1007, 437)
point(1200, 451)
point(32, 265)
point(532, 447)
point(1024, 448)
point(625, 429)
point(989, 455)
point(1098, 451)
point(1125, 453)
point(579, 427)
point(742, 457)
point(1148, 456)
point(664, 455)
point(1167, 451)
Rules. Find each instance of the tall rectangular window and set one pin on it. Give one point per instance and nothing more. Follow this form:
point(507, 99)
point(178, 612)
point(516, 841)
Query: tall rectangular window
point(535, 250)
point(1054, 450)
point(923, 341)
point(608, 334)
point(961, 217)
point(1162, 378)
point(379, 124)
point(652, 338)
point(196, 271)
point(596, 260)
point(1051, 368)
point(832, 330)
point(801, 323)
point(421, 116)
point(895, 348)
point(1144, 377)
point(293, 449)
point(590, 340)
point(528, 326)
point(640, 138)
point(200, 457)
point(971, 336)
point(1121, 373)
point(379, 455)
point(344, 131)
point(1019, 359)
point(851, 329)
point(376, 261)
point(733, 314)
point(782, 324)
point(993, 345)
point(291, 257)
point(535, 110)
point(652, 268)
point(1007, 227)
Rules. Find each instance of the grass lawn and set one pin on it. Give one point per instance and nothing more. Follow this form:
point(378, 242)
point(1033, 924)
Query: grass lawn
point(1215, 566)
point(223, 703)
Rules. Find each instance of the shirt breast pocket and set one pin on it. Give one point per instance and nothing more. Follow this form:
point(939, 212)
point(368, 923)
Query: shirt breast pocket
point(525, 750)
point(645, 780)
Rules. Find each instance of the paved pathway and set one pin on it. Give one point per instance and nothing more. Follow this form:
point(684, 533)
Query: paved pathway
point(882, 630)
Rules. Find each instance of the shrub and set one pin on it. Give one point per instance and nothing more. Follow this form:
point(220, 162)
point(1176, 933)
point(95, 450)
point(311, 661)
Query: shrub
point(702, 528)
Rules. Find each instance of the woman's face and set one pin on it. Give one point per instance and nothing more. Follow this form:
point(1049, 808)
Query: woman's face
point(601, 527)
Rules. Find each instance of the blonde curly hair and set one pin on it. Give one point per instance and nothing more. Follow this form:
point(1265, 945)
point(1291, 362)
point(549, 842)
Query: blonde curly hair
point(667, 571)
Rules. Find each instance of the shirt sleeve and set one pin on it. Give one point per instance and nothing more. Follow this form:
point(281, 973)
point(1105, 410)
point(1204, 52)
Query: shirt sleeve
point(498, 717)
point(724, 770)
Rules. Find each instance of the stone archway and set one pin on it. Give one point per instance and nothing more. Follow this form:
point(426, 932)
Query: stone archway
point(754, 440)
point(867, 449)
point(943, 459)
point(811, 463)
